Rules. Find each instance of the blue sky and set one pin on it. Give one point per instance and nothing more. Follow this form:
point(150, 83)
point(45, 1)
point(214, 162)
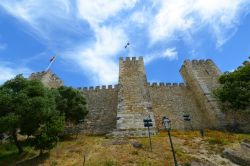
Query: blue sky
point(88, 37)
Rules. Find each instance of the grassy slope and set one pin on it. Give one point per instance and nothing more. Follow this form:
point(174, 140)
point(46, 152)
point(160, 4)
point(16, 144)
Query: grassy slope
point(101, 151)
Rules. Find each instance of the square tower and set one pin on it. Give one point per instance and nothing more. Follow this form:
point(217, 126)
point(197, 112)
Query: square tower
point(201, 77)
point(134, 102)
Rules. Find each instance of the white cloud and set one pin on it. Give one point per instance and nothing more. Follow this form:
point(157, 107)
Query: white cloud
point(164, 20)
point(33, 11)
point(98, 61)
point(169, 53)
point(177, 17)
point(170, 18)
point(8, 72)
point(139, 17)
point(43, 16)
point(97, 58)
point(97, 11)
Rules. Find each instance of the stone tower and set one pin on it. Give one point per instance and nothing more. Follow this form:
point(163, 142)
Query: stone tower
point(201, 78)
point(134, 102)
point(47, 78)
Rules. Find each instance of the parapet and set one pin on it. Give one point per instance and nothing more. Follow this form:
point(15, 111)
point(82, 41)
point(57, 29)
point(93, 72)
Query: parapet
point(103, 87)
point(47, 78)
point(37, 75)
point(197, 62)
point(162, 84)
point(189, 63)
point(131, 59)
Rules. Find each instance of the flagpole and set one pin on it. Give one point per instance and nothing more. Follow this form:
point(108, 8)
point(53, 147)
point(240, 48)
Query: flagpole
point(50, 64)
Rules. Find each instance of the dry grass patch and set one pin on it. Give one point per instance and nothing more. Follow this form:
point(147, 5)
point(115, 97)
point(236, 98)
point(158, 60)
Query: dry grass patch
point(100, 151)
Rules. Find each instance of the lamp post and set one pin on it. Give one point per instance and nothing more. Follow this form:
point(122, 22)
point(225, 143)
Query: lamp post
point(167, 124)
point(148, 123)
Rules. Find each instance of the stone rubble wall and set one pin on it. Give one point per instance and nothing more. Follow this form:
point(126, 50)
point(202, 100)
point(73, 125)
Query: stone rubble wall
point(102, 107)
point(174, 101)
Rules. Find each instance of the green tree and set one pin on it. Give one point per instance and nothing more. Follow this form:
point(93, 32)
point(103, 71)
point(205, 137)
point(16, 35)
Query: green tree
point(72, 103)
point(234, 92)
point(12, 101)
point(25, 106)
point(47, 135)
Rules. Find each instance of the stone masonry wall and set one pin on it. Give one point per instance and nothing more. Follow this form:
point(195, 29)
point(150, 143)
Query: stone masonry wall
point(48, 79)
point(201, 78)
point(102, 107)
point(120, 110)
point(134, 102)
point(242, 120)
point(173, 101)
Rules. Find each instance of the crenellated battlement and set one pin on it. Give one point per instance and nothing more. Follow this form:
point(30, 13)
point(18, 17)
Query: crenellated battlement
point(162, 84)
point(131, 60)
point(47, 78)
point(103, 87)
point(42, 73)
point(198, 62)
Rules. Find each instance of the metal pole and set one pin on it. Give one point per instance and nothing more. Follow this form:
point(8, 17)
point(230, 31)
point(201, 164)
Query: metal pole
point(149, 139)
point(172, 147)
point(50, 64)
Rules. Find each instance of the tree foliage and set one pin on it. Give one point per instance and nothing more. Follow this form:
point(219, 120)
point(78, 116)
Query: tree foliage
point(46, 136)
point(72, 103)
point(27, 106)
point(235, 90)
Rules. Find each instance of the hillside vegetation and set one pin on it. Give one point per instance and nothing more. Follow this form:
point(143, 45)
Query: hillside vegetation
point(101, 151)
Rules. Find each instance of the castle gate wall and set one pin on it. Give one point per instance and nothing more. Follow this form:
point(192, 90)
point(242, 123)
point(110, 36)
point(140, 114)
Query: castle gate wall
point(174, 101)
point(102, 106)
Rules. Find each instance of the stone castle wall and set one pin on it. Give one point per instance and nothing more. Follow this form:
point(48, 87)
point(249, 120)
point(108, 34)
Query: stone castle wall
point(102, 107)
point(241, 119)
point(120, 109)
point(134, 102)
point(201, 78)
point(47, 78)
point(174, 101)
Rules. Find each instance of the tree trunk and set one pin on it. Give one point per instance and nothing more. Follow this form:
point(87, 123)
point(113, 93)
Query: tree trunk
point(41, 152)
point(19, 147)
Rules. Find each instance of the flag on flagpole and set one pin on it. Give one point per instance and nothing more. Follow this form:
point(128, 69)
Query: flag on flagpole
point(52, 59)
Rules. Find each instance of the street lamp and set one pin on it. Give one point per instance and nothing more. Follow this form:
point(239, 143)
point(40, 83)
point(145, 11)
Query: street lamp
point(148, 123)
point(167, 124)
